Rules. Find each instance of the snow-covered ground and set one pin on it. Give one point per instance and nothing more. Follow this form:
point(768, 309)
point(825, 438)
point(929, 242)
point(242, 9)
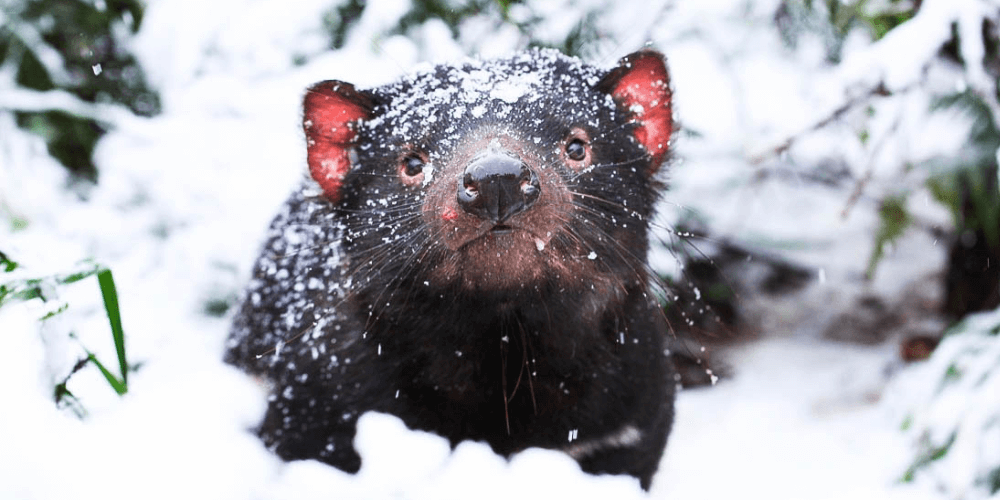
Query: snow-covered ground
point(185, 197)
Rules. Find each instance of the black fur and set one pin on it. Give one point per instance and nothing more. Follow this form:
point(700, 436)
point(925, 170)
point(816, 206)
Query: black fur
point(362, 304)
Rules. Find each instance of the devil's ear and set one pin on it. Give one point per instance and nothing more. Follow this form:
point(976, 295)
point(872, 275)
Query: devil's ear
point(331, 110)
point(641, 86)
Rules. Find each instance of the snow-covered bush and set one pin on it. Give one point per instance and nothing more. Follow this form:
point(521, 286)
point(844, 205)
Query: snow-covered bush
point(953, 411)
point(62, 63)
point(898, 60)
point(17, 286)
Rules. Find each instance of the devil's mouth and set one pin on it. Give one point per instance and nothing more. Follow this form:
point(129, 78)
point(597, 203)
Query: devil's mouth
point(501, 229)
point(502, 236)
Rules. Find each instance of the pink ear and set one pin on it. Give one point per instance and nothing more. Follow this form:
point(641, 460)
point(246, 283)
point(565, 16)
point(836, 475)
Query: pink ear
point(641, 84)
point(331, 110)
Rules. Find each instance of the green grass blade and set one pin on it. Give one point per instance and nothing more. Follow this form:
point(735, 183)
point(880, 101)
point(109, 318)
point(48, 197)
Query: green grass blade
point(118, 385)
point(110, 294)
point(6, 264)
point(77, 276)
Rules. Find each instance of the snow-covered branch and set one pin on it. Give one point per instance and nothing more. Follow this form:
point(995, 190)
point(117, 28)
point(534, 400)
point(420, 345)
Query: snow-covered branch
point(26, 100)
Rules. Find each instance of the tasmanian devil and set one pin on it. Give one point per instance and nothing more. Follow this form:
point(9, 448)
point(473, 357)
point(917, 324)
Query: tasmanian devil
point(470, 255)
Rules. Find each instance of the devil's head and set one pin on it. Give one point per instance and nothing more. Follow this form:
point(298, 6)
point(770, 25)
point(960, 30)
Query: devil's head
point(496, 176)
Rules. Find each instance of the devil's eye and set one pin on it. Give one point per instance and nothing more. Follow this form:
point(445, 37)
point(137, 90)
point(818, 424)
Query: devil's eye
point(576, 150)
point(413, 166)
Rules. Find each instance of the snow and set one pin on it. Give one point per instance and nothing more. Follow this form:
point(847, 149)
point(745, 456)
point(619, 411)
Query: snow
point(185, 198)
point(952, 401)
point(787, 427)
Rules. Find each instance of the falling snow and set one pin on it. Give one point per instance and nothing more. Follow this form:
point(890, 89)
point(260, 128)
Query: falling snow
point(184, 198)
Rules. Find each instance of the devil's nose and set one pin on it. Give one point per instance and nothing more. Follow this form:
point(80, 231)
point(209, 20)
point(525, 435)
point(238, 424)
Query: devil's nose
point(496, 187)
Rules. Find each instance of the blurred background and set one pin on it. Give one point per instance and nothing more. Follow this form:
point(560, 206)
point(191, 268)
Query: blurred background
point(830, 244)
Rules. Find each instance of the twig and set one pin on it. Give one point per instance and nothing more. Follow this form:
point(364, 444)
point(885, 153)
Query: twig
point(859, 187)
point(879, 90)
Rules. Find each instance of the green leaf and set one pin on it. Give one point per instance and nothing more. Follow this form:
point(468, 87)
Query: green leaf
point(882, 23)
point(339, 21)
point(132, 7)
point(6, 264)
point(993, 481)
point(118, 385)
point(110, 294)
point(930, 455)
point(52, 314)
point(70, 139)
point(18, 291)
point(77, 276)
point(893, 221)
point(907, 423)
point(31, 73)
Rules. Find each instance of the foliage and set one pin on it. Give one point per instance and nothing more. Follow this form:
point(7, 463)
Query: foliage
point(44, 289)
point(964, 182)
point(77, 47)
point(953, 410)
point(972, 177)
point(452, 13)
point(339, 20)
point(893, 221)
point(834, 20)
point(955, 420)
point(580, 40)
